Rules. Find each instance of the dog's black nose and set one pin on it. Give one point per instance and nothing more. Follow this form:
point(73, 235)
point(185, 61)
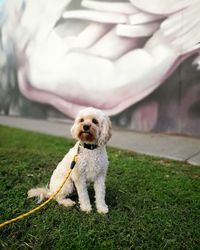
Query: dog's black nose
point(86, 127)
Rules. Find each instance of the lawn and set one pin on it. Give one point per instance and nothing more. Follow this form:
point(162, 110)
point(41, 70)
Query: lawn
point(154, 203)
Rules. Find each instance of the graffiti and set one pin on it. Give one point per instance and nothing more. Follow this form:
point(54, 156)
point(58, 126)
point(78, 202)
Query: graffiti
point(127, 58)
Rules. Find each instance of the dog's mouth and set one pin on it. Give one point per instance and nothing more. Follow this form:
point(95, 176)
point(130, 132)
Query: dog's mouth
point(86, 136)
point(85, 132)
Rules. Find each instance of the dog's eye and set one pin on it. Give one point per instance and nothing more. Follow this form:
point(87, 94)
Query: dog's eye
point(81, 120)
point(95, 121)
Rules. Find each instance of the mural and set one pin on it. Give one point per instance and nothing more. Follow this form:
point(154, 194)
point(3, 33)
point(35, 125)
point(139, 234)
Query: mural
point(137, 60)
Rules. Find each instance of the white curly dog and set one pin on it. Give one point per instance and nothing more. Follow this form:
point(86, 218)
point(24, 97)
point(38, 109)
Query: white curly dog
point(92, 129)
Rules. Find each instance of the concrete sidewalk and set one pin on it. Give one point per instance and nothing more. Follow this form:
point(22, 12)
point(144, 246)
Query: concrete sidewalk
point(172, 147)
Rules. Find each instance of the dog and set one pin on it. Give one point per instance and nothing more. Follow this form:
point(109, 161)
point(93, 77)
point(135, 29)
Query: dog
point(92, 130)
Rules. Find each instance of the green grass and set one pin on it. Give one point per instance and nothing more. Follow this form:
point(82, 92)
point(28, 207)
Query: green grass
point(154, 203)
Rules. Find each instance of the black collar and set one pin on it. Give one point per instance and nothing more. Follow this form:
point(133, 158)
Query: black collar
point(90, 146)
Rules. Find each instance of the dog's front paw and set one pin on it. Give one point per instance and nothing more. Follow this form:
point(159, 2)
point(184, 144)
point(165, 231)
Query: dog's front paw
point(86, 208)
point(102, 209)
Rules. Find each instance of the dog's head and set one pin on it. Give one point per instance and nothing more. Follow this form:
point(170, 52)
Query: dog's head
point(92, 126)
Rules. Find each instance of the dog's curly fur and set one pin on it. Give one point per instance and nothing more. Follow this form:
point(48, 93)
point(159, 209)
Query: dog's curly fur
point(91, 126)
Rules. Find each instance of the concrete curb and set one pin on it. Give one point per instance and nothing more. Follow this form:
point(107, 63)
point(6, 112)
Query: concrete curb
point(179, 148)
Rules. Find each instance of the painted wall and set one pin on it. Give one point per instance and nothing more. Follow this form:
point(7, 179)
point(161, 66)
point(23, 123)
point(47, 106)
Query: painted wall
point(136, 60)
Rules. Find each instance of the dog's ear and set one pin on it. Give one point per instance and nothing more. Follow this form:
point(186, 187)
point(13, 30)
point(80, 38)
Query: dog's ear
point(105, 131)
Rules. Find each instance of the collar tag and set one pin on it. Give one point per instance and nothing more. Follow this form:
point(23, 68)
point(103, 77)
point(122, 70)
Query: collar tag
point(90, 146)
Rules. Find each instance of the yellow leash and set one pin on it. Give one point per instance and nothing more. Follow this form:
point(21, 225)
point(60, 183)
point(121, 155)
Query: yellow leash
point(73, 163)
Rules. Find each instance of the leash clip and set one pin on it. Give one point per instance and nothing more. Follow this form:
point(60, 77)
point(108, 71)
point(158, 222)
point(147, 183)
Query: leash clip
point(73, 163)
